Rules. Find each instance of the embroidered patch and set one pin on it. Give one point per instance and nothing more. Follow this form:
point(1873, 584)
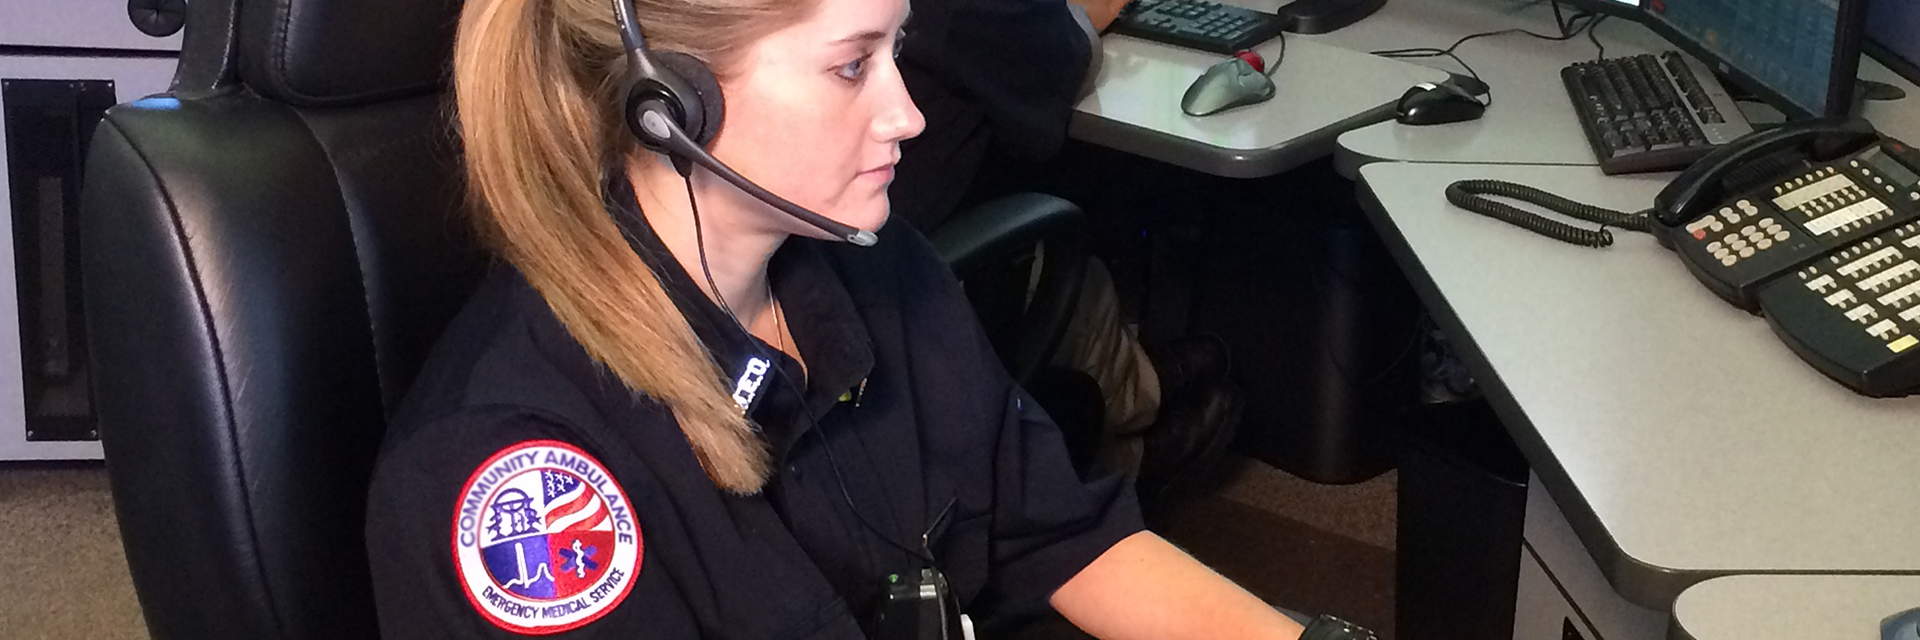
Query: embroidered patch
point(544, 540)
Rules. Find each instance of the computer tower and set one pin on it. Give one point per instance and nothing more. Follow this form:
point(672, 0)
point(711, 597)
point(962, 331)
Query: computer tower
point(1323, 326)
point(63, 63)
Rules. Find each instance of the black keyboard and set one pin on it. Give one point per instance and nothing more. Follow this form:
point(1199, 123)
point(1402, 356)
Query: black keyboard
point(1197, 24)
point(1645, 113)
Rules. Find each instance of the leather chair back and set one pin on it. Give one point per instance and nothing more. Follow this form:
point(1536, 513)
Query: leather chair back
point(269, 251)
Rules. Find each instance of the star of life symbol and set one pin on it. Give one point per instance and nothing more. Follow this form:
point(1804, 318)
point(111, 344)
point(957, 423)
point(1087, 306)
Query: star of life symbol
point(544, 538)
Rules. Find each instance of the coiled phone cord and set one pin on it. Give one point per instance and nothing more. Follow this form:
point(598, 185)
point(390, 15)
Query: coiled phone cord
point(1472, 195)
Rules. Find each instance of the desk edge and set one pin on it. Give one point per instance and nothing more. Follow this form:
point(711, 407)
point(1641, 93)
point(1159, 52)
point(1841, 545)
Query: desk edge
point(1641, 583)
point(1219, 161)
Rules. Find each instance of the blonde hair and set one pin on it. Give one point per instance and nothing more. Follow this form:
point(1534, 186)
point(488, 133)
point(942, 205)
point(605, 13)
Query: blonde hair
point(535, 84)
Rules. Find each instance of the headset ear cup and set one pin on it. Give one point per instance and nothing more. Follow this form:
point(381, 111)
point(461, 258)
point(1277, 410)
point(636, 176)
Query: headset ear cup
point(707, 101)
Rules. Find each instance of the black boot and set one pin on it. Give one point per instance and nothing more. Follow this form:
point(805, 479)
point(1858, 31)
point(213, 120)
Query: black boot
point(1199, 408)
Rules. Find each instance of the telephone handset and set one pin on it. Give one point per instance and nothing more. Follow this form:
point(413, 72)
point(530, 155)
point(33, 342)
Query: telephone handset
point(1816, 226)
point(1705, 183)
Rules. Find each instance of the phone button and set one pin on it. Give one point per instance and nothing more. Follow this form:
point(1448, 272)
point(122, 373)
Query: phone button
point(1746, 252)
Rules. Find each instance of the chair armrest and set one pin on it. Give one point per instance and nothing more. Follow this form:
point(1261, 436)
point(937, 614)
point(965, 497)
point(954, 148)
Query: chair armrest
point(993, 231)
point(992, 235)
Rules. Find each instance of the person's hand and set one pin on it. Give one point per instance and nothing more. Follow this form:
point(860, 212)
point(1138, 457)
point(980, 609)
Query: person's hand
point(1101, 12)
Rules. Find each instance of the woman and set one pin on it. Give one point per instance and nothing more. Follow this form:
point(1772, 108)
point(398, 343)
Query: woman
point(676, 412)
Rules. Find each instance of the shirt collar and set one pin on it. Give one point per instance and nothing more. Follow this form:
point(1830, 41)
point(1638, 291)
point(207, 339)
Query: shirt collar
point(820, 314)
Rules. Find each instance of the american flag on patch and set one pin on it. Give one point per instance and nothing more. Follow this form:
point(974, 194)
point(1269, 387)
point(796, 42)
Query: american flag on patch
point(571, 505)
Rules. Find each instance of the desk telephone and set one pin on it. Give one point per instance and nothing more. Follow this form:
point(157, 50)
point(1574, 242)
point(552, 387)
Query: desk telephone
point(1813, 225)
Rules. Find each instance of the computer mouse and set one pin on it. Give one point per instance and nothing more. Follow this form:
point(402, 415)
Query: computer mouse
point(1902, 626)
point(1233, 83)
point(1429, 103)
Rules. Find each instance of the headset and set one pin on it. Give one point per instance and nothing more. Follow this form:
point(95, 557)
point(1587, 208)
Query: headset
point(673, 106)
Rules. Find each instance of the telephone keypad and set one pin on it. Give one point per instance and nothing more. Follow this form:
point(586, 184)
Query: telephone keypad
point(1747, 237)
point(1830, 256)
point(1874, 286)
point(1751, 240)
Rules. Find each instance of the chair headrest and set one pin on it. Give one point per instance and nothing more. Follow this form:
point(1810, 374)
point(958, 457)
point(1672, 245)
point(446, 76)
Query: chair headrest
point(317, 53)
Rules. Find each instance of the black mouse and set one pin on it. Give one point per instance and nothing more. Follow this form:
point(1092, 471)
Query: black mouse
point(1429, 103)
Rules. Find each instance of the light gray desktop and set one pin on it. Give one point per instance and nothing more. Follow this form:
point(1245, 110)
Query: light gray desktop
point(1324, 90)
point(1679, 438)
point(1792, 607)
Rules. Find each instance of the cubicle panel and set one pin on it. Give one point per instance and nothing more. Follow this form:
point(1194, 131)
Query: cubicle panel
point(83, 24)
point(48, 109)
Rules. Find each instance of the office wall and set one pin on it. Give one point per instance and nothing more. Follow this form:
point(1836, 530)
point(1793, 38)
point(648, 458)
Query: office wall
point(92, 24)
point(66, 41)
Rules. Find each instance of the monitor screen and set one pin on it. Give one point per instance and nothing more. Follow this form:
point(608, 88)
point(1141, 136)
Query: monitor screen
point(1893, 28)
point(1802, 53)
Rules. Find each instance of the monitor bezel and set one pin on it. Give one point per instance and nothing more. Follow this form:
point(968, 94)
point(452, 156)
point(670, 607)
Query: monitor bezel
point(1840, 83)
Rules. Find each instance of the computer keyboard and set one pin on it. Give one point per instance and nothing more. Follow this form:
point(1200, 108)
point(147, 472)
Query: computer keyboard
point(1646, 113)
point(1197, 24)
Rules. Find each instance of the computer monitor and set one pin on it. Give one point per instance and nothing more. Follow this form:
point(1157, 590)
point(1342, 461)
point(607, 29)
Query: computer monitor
point(1893, 35)
point(1802, 56)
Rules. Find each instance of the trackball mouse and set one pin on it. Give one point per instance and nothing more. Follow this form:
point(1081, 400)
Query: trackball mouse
point(1233, 83)
point(1903, 626)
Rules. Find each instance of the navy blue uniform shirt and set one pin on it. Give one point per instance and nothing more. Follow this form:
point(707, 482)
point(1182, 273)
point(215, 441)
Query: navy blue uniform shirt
point(524, 490)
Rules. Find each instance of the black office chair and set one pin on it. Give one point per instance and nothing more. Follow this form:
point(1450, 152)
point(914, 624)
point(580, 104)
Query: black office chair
point(1023, 259)
point(270, 250)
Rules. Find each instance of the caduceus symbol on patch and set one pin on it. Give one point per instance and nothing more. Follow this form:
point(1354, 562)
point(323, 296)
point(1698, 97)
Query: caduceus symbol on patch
point(579, 560)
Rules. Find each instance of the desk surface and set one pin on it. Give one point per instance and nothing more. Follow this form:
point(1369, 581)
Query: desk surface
point(1792, 607)
point(1531, 120)
point(1323, 91)
point(1683, 439)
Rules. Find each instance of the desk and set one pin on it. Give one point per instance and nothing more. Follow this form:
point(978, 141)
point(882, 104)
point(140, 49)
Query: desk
point(1323, 90)
point(1791, 607)
point(1681, 439)
point(1531, 120)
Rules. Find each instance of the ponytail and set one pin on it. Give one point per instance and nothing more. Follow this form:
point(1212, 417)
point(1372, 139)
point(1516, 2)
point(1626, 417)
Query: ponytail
point(533, 87)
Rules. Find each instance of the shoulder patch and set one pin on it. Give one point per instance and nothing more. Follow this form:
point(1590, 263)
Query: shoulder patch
point(544, 540)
